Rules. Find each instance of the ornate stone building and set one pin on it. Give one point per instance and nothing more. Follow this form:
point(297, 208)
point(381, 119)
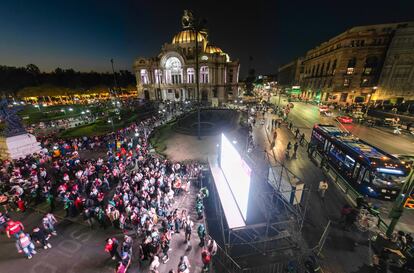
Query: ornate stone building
point(396, 83)
point(346, 68)
point(171, 74)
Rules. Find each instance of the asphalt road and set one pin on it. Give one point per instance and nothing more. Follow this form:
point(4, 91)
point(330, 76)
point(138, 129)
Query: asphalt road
point(305, 116)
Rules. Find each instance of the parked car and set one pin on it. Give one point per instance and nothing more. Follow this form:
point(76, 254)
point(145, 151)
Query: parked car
point(344, 119)
point(358, 115)
point(323, 108)
point(328, 113)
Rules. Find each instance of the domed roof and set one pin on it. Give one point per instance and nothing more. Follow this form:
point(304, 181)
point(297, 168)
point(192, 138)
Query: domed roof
point(187, 36)
point(213, 49)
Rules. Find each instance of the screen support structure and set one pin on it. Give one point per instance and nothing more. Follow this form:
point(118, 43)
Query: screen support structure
point(279, 232)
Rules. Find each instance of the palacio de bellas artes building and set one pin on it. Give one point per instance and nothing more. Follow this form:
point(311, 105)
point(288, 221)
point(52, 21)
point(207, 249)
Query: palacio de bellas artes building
point(171, 74)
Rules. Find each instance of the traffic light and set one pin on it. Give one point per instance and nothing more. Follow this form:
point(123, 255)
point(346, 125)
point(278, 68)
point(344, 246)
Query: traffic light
point(409, 203)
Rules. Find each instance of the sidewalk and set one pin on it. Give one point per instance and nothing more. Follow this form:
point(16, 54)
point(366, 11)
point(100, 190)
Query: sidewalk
point(344, 251)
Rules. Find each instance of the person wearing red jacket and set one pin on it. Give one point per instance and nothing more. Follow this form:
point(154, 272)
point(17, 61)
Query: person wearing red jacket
point(112, 248)
point(14, 228)
point(206, 258)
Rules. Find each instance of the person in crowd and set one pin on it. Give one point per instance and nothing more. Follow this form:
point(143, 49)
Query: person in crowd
point(24, 244)
point(295, 149)
point(212, 246)
point(49, 222)
point(112, 248)
point(153, 268)
point(40, 237)
point(14, 228)
point(184, 265)
point(3, 222)
point(323, 187)
point(201, 231)
point(206, 259)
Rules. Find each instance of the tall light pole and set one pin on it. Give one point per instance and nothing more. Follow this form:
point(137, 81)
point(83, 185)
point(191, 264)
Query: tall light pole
point(197, 25)
point(369, 99)
point(398, 206)
point(113, 72)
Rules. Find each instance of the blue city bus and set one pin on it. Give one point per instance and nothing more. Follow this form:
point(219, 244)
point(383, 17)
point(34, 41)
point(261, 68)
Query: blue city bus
point(369, 170)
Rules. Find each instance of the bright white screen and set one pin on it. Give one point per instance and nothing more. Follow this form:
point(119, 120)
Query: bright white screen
point(237, 174)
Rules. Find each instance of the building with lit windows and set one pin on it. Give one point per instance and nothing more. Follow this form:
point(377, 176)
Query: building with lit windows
point(172, 74)
point(347, 68)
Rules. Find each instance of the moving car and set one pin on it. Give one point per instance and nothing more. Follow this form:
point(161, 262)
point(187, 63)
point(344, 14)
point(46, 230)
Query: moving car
point(358, 114)
point(323, 108)
point(344, 119)
point(328, 113)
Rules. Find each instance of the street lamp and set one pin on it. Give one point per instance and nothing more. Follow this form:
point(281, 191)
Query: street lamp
point(112, 123)
point(369, 99)
point(63, 110)
point(398, 206)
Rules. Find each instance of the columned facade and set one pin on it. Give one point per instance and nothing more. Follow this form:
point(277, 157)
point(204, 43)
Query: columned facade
point(172, 74)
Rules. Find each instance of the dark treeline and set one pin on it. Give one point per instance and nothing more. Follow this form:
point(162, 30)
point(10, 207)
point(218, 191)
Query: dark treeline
point(13, 79)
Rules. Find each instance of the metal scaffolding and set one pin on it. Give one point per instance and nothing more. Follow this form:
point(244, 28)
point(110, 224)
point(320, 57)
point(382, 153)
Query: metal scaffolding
point(279, 234)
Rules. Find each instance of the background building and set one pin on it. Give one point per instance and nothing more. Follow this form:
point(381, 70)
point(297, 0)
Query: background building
point(171, 74)
point(346, 68)
point(396, 83)
point(290, 75)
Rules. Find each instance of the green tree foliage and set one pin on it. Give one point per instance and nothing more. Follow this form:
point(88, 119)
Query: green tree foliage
point(30, 79)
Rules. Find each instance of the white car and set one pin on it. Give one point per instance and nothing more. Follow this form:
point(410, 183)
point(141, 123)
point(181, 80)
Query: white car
point(323, 108)
point(328, 113)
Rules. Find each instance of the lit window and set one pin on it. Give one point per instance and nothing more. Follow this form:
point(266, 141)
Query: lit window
point(350, 70)
point(173, 71)
point(204, 74)
point(158, 76)
point(190, 75)
point(347, 82)
point(144, 76)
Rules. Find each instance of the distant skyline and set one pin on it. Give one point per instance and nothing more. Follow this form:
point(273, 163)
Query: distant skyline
point(86, 34)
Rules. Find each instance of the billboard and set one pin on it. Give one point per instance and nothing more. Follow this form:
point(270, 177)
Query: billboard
point(237, 174)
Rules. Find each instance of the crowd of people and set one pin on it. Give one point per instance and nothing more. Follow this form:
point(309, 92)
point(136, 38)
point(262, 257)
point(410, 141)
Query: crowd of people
point(126, 187)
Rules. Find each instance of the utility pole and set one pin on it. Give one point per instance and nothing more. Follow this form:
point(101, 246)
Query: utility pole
point(115, 82)
point(196, 29)
point(398, 206)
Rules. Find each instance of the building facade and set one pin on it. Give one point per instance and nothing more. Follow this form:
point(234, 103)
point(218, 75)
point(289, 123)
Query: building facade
point(290, 74)
point(171, 74)
point(289, 77)
point(346, 69)
point(396, 82)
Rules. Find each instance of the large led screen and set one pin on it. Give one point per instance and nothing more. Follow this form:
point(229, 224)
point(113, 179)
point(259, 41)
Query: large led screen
point(237, 174)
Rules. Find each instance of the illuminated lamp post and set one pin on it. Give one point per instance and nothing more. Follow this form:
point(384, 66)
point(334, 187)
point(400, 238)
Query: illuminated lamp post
point(369, 99)
point(197, 25)
point(110, 120)
point(398, 206)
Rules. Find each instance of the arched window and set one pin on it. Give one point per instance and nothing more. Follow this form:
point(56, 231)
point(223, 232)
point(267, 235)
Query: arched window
point(204, 74)
point(190, 75)
point(144, 76)
point(173, 70)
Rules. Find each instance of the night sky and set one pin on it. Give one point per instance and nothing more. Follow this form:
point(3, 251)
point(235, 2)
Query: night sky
point(86, 34)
